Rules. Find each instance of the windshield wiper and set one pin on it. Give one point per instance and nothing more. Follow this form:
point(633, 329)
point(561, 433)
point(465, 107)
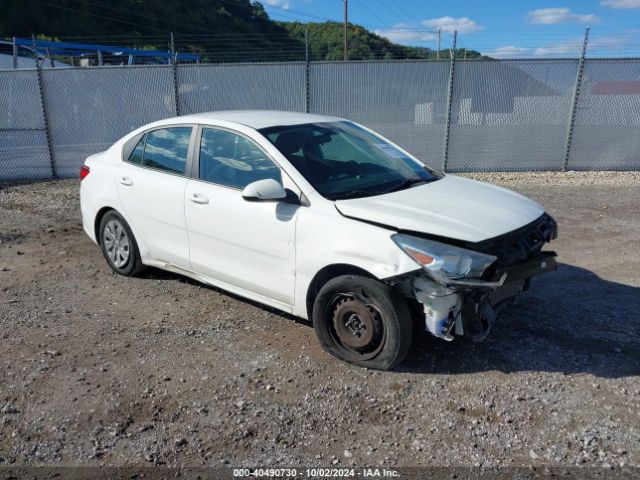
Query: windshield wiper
point(406, 183)
point(352, 194)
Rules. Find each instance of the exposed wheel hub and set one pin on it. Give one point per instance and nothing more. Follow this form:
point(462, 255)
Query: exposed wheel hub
point(358, 326)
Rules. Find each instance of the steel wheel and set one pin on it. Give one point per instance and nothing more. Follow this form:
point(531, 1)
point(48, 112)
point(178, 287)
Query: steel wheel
point(356, 326)
point(116, 243)
point(363, 321)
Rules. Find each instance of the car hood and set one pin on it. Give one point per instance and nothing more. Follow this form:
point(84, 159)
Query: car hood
point(452, 207)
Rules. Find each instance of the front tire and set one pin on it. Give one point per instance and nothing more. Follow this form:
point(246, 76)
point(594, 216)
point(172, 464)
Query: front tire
point(119, 246)
point(362, 321)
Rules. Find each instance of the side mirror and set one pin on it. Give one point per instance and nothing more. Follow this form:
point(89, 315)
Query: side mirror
point(264, 191)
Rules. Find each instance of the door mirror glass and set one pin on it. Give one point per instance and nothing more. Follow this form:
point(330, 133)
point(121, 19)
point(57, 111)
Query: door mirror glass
point(264, 191)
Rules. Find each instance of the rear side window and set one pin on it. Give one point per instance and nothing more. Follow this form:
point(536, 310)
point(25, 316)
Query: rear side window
point(136, 154)
point(233, 160)
point(166, 149)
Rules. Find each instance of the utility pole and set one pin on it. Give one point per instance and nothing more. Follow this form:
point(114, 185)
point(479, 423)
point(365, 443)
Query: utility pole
point(438, 51)
point(346, 48)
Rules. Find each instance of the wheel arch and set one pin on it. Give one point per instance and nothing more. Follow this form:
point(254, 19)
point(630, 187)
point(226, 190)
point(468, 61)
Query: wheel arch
point(98, 218)
point(96, 224)
point(327, 273)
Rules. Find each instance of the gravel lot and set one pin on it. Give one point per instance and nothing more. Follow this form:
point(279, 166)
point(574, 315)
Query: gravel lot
point(101, 369)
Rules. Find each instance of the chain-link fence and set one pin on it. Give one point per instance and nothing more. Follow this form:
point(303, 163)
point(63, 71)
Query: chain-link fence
point(23, 136)
point(206, 88)
point(404, 101)
point(460, 115)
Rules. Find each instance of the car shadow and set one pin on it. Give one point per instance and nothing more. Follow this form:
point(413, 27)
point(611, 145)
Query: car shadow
point(152, 273)
point(571, 321)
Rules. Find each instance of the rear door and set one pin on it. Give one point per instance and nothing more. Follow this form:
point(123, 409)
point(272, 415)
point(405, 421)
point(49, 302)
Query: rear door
point(248, 245)
point(151, 184)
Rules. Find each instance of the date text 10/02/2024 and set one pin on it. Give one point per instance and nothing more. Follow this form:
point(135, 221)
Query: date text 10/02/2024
point(315, 473)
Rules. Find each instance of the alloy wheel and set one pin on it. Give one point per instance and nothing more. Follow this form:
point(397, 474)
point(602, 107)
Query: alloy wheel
point(116, 243)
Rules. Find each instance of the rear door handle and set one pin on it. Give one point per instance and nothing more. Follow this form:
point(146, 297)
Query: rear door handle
point(125, 181)
point(199, 198)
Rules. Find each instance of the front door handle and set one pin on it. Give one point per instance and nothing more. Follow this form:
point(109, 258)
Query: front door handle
point(125, 181)
point(199, 198)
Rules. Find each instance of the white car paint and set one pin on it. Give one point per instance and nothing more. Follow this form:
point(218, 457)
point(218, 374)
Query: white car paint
point(271, 251)
point(154, 202)
point(452, 207)
point(246, 244)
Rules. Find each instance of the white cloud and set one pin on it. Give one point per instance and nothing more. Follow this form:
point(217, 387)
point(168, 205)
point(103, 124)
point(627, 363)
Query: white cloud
point(620, 3)
point(550, 16)
point(278, 3)
point(611, 45)
point(509, 51)
point(449, 24)
point(405, 34)
point(425, 31)
point(570, 48)
point(561, 49)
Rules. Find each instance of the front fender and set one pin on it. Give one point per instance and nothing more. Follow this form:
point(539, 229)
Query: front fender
point(324, 238)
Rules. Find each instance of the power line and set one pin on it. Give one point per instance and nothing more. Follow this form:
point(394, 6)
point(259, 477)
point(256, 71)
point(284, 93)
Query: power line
point(97, 15)
point(289, 10)
point(366, 7)
point(393, 12)
point(399, 6)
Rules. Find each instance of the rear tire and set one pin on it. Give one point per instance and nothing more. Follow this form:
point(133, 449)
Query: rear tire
point(119, 246)
point(362, 321)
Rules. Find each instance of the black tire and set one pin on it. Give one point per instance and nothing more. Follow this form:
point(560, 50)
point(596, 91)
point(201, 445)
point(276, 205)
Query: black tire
point(343, 297)
point(133, 264)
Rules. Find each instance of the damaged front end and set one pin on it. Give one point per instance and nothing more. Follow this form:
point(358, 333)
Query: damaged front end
point(463, 287)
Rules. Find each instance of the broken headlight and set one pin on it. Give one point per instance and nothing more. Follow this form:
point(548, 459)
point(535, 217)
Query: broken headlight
point(444, 262)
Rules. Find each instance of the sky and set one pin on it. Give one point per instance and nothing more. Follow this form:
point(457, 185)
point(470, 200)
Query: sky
point(500, 28)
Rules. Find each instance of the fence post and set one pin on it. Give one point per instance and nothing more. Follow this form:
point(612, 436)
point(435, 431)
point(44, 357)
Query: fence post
point(14, 51)
point(174, 67)
point(45, 116)
point(449, 102)
point(306, 71)
point(576, 96)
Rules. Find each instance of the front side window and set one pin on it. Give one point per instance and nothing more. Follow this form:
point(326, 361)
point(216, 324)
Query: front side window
point(232, 160)
point(343, 160)
point(166, 149)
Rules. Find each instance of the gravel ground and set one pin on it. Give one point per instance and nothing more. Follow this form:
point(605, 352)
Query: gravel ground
point(99, 369)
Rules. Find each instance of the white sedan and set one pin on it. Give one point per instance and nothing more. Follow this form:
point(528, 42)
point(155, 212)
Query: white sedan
point(319, 217)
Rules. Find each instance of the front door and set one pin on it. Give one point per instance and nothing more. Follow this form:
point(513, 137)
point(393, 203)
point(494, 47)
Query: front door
point(248, 245)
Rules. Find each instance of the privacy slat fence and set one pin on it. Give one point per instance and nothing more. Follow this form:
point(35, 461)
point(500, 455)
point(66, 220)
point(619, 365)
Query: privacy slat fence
point(500, 115)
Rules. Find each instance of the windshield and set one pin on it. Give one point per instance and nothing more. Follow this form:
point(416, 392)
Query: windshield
point(343, 160)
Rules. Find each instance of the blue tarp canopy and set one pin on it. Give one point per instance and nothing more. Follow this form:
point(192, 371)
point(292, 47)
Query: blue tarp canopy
point(78, 49)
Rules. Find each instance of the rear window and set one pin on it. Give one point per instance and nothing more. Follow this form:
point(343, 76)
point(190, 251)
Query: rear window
point(166, 149)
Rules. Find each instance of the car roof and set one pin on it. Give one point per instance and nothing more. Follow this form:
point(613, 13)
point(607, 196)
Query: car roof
point(256, 118)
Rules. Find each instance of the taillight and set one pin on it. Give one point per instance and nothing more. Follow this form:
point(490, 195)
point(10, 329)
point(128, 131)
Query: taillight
point(84, 171)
